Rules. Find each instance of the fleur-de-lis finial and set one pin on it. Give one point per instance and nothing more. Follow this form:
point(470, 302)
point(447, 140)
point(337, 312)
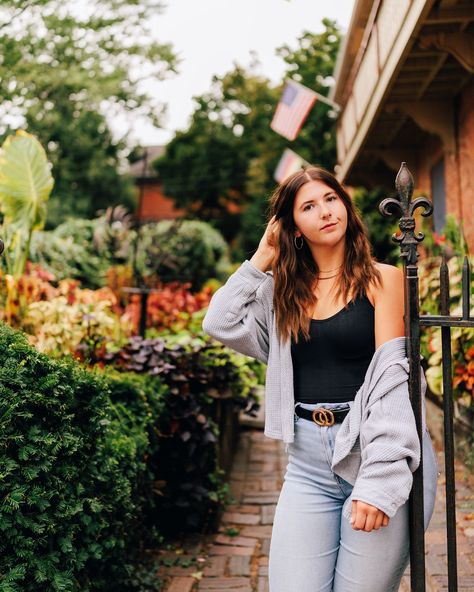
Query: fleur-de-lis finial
point(404, 185)
point(404, 207)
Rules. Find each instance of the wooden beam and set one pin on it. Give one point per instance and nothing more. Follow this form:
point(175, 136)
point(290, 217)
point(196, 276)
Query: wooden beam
point(413, 75)
point(427, 81)
point(454, 14)
point(392, 157)
point(448, 3)
point(424, 54)
point(458, 44)
point(407, 67)
point(462, 84)
point(434, 117)
point(396, 127)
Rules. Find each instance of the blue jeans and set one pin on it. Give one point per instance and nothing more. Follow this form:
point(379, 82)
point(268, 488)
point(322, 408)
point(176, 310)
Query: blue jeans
point(313, 547)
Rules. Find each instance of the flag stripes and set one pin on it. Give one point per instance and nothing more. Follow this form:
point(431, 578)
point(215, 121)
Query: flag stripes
point(289, 163)
point(292, 109)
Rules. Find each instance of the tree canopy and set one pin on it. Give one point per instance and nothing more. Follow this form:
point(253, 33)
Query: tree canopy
point(222, 166)
point(67, 69)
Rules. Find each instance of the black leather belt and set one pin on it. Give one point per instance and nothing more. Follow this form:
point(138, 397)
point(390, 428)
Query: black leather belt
point(322, 417)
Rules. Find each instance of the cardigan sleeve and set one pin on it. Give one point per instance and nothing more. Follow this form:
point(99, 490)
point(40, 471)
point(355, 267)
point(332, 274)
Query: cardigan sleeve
point(237, 315)
point(390, 452)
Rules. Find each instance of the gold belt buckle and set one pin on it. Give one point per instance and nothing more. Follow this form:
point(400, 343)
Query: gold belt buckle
point(323, 417)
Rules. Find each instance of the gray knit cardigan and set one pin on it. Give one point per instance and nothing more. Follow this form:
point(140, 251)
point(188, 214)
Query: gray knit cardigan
point(377, 447)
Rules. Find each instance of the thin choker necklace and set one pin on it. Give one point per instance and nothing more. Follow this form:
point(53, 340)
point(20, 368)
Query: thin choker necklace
point(328, 270)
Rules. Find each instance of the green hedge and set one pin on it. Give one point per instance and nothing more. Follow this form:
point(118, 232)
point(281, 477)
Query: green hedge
point(95, 465)
point(74, 478)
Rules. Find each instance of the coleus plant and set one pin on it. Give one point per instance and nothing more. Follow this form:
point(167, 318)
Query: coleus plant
point(197, 373)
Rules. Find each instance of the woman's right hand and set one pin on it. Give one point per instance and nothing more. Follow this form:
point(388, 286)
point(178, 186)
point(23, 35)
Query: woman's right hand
point(265, 252)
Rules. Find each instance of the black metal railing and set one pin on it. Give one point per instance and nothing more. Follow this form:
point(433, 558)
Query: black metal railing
point(409, 240)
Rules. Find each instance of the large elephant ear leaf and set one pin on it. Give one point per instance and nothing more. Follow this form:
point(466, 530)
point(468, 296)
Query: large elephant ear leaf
point(25, 181)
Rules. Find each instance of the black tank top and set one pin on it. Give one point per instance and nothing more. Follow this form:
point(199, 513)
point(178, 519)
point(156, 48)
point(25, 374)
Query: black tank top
point(331, 366)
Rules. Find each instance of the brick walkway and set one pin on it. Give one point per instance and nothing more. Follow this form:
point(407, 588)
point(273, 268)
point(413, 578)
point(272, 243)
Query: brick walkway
point(236, 558)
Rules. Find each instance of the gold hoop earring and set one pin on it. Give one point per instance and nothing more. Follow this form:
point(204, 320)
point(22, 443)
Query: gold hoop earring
point(302, 242)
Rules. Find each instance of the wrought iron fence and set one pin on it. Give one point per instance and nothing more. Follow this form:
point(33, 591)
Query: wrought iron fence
point(409, 239)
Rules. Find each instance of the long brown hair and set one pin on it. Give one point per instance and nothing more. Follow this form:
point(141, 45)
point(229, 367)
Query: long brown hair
point(295, 272)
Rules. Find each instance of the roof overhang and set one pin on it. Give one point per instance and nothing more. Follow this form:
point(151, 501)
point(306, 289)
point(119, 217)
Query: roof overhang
point(396, 82)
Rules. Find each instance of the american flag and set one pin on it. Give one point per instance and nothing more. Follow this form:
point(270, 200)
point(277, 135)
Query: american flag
point(289, 163)
point(292, 109)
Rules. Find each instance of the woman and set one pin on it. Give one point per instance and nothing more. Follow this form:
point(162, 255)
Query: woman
point(329, 322)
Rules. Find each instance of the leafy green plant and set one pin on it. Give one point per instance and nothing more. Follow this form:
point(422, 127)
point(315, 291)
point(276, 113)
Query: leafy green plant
point(462, 339)
point(25, 185)
point(188, 251)
point(198, 375)
point(75, 321)
point(450, 241)
point(113, 234)
point(77, 482)
point(65, 257)
point(74, 250)
point(379, 228)
point(85, 249)
point(195, 252)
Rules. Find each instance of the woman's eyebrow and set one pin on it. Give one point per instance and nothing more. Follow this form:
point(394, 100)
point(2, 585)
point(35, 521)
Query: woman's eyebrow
point(325, 195)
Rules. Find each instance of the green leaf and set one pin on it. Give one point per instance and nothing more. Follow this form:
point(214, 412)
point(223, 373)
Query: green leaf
point(25, 185)
point(25, 181)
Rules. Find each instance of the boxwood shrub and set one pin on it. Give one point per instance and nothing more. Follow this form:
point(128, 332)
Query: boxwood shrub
point(74, 478)
point(95, 464)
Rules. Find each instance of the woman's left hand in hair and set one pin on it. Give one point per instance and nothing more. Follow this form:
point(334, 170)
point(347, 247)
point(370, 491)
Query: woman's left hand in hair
point(366, 517)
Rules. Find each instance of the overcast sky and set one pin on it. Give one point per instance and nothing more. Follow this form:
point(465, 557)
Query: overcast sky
point(210, 35)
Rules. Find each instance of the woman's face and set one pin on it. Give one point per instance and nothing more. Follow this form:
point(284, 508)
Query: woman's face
point(317, 205)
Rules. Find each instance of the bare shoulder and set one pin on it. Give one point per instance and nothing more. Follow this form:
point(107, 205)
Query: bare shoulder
point(390, 274)
point(391, 283)
point(389, 303)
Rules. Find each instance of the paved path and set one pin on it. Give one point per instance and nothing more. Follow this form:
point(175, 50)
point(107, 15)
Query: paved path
point(236, 558)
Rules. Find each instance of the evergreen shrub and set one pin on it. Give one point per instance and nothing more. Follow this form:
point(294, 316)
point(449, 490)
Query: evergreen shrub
point(96, 464)
point(74, 481)
point(193, 253)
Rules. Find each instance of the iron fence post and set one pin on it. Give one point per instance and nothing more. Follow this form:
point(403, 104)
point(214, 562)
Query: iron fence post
point(408, 240)
point(448, 424)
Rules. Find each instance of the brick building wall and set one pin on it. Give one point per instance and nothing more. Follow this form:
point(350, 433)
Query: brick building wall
point(153, 204)
point(458, 166)
point(466, 162)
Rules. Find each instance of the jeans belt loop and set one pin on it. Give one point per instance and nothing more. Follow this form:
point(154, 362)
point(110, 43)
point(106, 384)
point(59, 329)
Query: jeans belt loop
point(296, 417)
